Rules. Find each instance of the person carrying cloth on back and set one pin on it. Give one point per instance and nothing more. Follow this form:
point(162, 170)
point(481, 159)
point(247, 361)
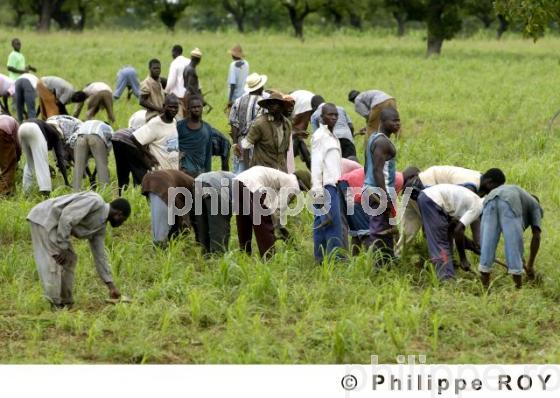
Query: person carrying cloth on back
point(54, 94)
point(369, 105)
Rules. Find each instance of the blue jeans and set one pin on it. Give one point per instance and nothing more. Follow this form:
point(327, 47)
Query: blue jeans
point(239, 165)
point(127, 77)
point(327, 228)
point(25, 96)
point(498, 218)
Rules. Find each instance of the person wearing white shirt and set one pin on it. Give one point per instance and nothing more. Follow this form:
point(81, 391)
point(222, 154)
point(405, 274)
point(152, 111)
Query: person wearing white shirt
point(99, 96)
point(26, 94)
point(253, 185)
point(175, 83)
point(326, 170)
point(411, 222)
point(7, 89)
point(446, 211)
point(237, 75)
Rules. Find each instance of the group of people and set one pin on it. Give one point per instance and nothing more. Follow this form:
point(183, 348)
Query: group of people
point(167, 146)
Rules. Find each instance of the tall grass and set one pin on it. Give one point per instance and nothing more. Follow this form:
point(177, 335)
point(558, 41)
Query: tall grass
point(482, 104)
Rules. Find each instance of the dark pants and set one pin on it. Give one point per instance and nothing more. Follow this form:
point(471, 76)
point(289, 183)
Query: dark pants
point(301, 150)
point(8, 163)
point(347, 148)
point(264, 231)
point(328, 228)
point(25, 97)
point(128, 159)
point(212, 231)
point(437, 229)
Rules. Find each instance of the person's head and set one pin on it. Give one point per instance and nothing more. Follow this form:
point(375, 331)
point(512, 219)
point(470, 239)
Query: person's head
point(352, 95)
point(155, 68)
point(16, 44)
point(490, 180)
point(316, 101)
point(78, 97)
point(390, 121)
point(170, 106)
point(195, 107)
point(329, 115)
point(255, 83)
point(119, 211)
point(410, 172)
point(176, 51)
point(289, 104)
point(196, 56)
point(236, 52)
point(274, 104)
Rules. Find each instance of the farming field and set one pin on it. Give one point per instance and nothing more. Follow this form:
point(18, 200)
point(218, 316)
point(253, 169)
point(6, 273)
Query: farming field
point(482, 104)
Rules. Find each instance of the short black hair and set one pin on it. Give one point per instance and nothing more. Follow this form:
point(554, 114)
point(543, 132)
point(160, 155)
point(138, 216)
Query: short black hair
point(495, 175)
point(153, 61)
point(316, 101)
point(14, 40)
point(78, 96)
point(388, 113)
point(352, 95)
point(195, 98)
point(122, 205)
point(177, 49)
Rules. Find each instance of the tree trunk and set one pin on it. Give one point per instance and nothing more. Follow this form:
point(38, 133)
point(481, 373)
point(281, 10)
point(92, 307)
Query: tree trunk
point(434, 45)
point(238, 11)
point(297, 21)
point(502, 26)
point(400, 23)
point(45, 13)
point(337, 17)
point(239, 22)
point(355, 20)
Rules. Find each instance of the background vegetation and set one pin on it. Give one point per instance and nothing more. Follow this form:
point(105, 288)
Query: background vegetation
point(484, 104)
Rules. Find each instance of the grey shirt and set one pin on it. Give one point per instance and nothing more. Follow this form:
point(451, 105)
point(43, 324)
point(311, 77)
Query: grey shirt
point(82, 215)
point(365, 101)
point(521, 202)
point(63, 90)
point(216, 180)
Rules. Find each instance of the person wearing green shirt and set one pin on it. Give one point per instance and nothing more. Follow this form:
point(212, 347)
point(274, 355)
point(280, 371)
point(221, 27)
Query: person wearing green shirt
point(16, 61)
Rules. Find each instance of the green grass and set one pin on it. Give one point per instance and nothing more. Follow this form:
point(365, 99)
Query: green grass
point(482, 104)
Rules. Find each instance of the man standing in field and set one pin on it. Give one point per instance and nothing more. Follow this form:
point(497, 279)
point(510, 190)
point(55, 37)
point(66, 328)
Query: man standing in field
point(175, 83)
point(269, 136)
point(151, 91)
point(99, 96)
point(237, 75)
point(369, 104)
point(195, 140)
point(190, 77)
point(10, 152)
point(379, 184)
point(325, 173)
point(83, 215)
point(16, 61)
point(343, 130)
point(508, 210)
point(242, 115)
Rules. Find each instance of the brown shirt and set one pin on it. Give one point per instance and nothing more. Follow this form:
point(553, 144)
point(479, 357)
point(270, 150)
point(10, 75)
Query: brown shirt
point(154, 90)
point(271, 142)
point(159, 181)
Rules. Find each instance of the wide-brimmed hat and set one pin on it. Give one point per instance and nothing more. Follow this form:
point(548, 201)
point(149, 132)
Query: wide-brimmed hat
point(254, 82)
point(274, 97)
point(196, 53)
point(237, 51)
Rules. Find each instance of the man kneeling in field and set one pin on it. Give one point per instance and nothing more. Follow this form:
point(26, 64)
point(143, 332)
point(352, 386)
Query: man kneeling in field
point(83, 215)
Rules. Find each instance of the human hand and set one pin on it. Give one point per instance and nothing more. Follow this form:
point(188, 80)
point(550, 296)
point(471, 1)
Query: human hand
point(63, 257)
point(113, 291)
point(236, 150)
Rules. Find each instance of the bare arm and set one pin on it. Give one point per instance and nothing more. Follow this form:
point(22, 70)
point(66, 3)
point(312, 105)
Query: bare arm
point(4, 106)
point(78, 109)
point(16, 70)
point(535, 245)
point(231, 91)
point(146, 103)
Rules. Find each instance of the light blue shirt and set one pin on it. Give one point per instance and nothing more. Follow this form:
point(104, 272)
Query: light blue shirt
point(238, 72)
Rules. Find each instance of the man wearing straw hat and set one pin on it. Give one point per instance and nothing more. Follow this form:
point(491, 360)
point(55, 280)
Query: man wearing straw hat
point(243, 113)
point(190, 78)
point(237, 75)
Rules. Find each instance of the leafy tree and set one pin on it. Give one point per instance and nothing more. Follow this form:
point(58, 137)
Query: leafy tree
point(404, 11)
point(533, 15)
point(443, 21)
point(298, 10)
point(170, 11)
point(238, 9)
